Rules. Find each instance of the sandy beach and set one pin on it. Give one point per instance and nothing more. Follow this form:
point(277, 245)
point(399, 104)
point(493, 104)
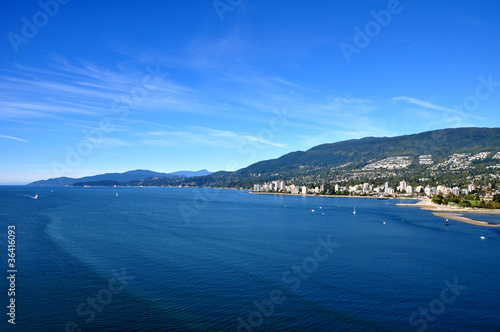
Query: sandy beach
point(453, 213)
point(427, 204)
point(459, 217)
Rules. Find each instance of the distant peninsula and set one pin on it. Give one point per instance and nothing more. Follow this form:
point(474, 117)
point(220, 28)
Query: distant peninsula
point(110, 179)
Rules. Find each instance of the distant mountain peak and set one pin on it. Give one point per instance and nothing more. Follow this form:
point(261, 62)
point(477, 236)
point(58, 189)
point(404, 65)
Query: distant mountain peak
point(138, 174)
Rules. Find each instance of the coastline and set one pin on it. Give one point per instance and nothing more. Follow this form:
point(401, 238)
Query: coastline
point(453, 213)
point(427, 204)
point(337, 196)
point(461, 218)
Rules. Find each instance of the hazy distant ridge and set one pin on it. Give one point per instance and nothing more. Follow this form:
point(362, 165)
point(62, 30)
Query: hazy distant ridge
point(118, 177)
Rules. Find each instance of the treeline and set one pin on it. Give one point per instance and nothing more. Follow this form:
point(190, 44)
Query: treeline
point(467, 201)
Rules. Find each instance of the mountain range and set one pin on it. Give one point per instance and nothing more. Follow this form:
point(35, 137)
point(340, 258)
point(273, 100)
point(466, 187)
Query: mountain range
point(455, 155)
point(118, 177)
point(438, 155)
point(359, 152)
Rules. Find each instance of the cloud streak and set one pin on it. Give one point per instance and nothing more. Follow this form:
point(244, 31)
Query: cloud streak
point(14, 138)
point(202, 136)
point(422, 103)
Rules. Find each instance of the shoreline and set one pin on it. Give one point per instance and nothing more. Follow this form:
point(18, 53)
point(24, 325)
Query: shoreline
point(461, 218)
point(427, 204)
point(337, 196)
point(453, 213)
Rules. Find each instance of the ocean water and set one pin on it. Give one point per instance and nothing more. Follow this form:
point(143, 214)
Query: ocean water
point(186, 259)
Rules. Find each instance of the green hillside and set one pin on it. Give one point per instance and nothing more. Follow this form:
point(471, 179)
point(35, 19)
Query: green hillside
point(439, 143)
point(347, 161)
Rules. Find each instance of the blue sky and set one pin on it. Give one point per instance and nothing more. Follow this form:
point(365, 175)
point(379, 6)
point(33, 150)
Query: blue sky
point(102, 86)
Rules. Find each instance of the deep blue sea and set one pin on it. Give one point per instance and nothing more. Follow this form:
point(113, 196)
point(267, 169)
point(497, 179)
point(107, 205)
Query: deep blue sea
point(186, 259)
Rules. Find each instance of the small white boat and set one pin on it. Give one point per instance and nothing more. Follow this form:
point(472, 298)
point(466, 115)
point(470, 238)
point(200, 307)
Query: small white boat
point(354, 212)
point(116, 194)
point(482, 238)
point(384, 222)
point(36, 196)
point(312, 210)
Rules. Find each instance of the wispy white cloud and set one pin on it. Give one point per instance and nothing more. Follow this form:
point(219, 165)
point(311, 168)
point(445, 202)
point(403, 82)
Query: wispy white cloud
point(336, 113)
point(113, 142)
point(285, 82)
point(447, 117)
point(158, 142)
point(201, 136)
point(64, 89)
point(82, 94)
point(422, 103)
point(14, 138)
point(263, 141)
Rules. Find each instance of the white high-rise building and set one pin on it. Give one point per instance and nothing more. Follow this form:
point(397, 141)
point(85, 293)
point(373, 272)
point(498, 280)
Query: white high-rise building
point(281, 185)
point(386, 188)
point(402, 186)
